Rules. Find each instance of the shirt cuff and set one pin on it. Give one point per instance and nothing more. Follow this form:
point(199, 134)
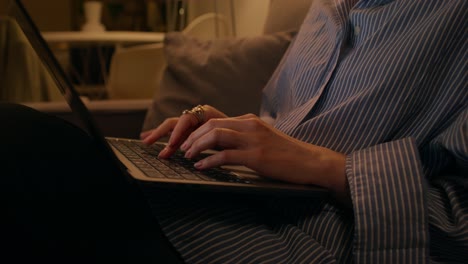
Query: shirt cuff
point(387, 190)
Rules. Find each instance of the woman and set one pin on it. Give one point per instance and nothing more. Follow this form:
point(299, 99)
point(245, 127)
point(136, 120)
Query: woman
point(370, 101)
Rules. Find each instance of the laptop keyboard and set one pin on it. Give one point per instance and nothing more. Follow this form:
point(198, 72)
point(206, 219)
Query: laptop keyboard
point(177, 167)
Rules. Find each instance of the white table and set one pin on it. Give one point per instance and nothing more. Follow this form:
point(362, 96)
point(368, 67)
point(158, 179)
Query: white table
point(62, 41)
point(105, 37)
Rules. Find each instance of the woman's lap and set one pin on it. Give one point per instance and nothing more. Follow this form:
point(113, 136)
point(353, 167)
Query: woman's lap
point(64, 201)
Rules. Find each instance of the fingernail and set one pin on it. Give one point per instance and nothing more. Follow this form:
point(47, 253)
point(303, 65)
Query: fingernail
point(163, 152)
point(188, 154)
point(184, 146)
point(198, 165)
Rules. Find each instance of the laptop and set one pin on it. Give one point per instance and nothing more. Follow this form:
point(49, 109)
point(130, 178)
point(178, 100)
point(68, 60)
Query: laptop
point(139, 161)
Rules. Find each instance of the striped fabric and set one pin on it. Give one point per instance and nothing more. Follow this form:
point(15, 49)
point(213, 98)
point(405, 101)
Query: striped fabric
point(386, 83)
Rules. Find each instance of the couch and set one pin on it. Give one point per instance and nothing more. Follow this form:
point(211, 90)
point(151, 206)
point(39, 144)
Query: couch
point(193, 74)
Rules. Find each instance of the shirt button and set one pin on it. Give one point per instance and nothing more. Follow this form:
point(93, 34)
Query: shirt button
point(357, 30)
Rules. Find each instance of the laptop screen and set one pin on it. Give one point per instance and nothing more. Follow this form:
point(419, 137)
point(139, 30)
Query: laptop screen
point(39, 52)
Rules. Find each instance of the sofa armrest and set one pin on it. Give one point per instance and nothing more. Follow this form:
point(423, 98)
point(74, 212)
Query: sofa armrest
point(115, 118)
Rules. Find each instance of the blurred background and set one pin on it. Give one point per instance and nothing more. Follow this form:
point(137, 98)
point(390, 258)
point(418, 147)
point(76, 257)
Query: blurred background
point(64, 15)
point(87, 56)
point(222, 52)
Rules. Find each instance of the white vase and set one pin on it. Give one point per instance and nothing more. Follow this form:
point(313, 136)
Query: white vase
point(92, 11)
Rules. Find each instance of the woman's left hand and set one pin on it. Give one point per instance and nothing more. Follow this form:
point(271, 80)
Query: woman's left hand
point(248, 141)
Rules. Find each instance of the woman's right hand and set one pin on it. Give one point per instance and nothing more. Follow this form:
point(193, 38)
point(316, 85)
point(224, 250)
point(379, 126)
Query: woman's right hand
point(179, 129)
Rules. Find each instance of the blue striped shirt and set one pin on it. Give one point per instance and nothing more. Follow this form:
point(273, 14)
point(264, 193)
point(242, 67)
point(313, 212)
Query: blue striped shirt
point(385, 83)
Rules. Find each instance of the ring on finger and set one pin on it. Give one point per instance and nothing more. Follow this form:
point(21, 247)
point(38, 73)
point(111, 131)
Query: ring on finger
point(198, 112)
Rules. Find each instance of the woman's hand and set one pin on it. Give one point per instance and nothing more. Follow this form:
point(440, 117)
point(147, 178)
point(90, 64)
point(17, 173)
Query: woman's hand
point(178, 128)
point(248, 141)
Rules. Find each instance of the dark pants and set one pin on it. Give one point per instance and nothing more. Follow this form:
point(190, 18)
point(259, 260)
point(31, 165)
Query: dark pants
point(63, 200)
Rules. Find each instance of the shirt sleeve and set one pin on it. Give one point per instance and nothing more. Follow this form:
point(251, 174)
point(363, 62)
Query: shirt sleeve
point(406, 212)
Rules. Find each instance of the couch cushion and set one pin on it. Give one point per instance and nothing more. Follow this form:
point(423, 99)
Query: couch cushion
point(228, 74)
point(286, 15)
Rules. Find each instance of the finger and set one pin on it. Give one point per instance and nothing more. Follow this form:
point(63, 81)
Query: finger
point(213, 124)
point(163, 130)
point(220, 137)
point(187, 122)
point(211, 112)
point(185, 126)
point(247, 116)
point(169, 150)
point(225, 157)
point(145, 134)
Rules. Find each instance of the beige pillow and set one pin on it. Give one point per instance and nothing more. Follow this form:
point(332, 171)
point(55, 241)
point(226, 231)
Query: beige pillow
point(228, 74)
point(285, 15)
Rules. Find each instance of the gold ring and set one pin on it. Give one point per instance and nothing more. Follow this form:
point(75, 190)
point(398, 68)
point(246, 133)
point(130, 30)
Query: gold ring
point(198, 112)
